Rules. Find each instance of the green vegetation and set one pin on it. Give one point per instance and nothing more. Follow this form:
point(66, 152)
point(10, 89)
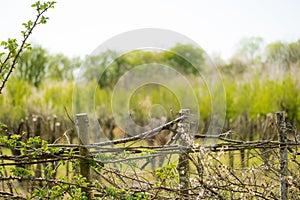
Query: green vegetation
point(256, 81)
point(252, 91)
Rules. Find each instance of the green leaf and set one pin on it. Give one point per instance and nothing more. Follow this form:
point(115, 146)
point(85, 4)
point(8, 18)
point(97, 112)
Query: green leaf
point(37, 5)
point(43, 20)
point(3, 43)
point(20, 171)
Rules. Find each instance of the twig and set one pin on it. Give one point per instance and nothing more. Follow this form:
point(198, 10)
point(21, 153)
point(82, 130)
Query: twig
point(14, 62)
point(137, 137)
point(8, 195)
point(66, 111)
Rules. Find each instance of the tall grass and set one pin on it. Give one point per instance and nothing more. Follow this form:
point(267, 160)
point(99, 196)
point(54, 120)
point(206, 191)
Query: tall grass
point(252, 96)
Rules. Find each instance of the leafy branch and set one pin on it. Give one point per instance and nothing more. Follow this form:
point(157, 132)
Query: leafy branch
point(9, 61)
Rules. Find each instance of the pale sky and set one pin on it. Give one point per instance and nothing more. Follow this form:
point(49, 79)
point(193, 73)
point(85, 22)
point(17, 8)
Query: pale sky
point(76, 27)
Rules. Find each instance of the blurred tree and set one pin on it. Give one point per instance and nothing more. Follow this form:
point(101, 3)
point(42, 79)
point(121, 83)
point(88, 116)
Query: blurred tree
point(140, 57)
point(250, 49)
point(277, 53)
point(111, 67)
point(294, 52)
point(61, 67)
point(97, 67)
point(107, 67)
point(32, 65)
point(237, 65)
point(283, 54)
point(185, 57)
point(123, 64)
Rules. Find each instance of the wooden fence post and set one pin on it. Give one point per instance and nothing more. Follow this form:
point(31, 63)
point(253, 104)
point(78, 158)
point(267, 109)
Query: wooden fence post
point(82, 125)
point(38, 132)
point(183, 160)
point(283, 156)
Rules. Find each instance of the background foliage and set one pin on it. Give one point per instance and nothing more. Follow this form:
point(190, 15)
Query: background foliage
point(258, 83)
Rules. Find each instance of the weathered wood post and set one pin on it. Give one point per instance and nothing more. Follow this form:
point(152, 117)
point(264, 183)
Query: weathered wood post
point(183, 161)
point(283, 156)
point(82, 125)
point(38, 132)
